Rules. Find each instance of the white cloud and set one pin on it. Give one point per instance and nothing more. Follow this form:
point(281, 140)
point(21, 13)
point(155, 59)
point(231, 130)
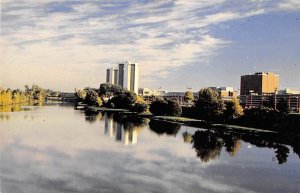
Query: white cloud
point(84, 35)
point(289, 5)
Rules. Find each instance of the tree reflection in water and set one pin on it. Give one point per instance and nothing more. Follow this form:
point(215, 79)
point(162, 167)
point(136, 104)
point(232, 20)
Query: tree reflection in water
point(232, 144)
point(296, 146)
point(282, 153)
point(208, 144)
point(92, 116)
point(187, 137)
point(164, 127)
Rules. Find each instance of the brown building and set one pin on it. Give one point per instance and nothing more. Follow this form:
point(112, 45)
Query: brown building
point(260, 83)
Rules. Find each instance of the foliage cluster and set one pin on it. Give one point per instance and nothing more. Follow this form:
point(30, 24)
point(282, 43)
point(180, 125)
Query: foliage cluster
point(89, 96)
point(29, 95)
point(112, 96)
point(188, 97)
point(209, 105)
point(161, 107)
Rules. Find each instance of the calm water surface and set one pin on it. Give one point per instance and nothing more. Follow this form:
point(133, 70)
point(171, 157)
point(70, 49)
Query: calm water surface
point(55, 148)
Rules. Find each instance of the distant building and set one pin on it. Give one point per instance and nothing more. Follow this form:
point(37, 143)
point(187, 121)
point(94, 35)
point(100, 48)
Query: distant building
point(260, 83)
point(68, 96)
point(126, 75)
point(288, 91)
point(225, 92)
point(112, 75)
point(150, 92)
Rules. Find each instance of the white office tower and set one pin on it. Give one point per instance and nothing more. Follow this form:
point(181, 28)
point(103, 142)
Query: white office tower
point(128, 76)
point(112, 75)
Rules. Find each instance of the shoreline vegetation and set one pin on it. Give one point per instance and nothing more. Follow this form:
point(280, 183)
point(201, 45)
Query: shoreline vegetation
point(12, 100)
point(207, 110)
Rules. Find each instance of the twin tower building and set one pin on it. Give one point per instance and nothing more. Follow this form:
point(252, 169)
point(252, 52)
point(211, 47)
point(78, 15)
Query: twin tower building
point(125, 75)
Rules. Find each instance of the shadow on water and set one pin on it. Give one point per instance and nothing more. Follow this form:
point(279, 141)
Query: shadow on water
point(208, 144)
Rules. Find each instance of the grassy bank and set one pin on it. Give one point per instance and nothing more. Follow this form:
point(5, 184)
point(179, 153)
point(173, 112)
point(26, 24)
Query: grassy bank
point(176, 119)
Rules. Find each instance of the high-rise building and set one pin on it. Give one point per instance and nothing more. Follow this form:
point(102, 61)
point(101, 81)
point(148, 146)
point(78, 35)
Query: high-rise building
point(112, 75)
point(126, 75)
point(131, 77)
point(260, 83)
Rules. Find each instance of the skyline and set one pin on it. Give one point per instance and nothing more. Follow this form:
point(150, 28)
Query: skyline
point(69, 44)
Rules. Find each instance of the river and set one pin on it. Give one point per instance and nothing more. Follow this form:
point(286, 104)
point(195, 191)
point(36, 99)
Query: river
point(56, 149)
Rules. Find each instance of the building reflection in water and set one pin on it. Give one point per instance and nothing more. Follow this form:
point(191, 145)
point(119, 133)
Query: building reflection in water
point(121, 130)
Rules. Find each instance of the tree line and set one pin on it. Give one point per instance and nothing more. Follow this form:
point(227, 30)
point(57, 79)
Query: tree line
point(33, 94)
point(208, 106)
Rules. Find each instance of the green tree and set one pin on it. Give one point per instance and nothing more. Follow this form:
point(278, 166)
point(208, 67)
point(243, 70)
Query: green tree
point(209, 105)
point(109, 90)
point(188, 97)
point(173, 108)
point(80, 95)
point(124, 100)
point(92, 98)
point(233, 109)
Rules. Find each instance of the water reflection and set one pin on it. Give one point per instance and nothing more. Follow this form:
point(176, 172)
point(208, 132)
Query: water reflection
point(68, 154)
point(187, 137)
point(123, 128)
point(282, 153)
point(13, 108)
point(164, 127)
point(92, 116)
point(208, 144)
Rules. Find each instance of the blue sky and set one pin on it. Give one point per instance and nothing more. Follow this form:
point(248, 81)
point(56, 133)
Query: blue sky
point(179, 44)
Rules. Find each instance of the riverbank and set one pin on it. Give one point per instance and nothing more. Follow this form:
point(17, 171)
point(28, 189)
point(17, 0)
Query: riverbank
point(196, 122)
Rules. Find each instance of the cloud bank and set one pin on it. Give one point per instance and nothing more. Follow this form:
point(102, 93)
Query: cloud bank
point(68, 44)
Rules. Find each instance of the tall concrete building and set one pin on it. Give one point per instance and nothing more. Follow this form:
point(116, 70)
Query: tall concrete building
point(126, 75)
point(112, 75)
point(131, 77)
point(260, 83)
